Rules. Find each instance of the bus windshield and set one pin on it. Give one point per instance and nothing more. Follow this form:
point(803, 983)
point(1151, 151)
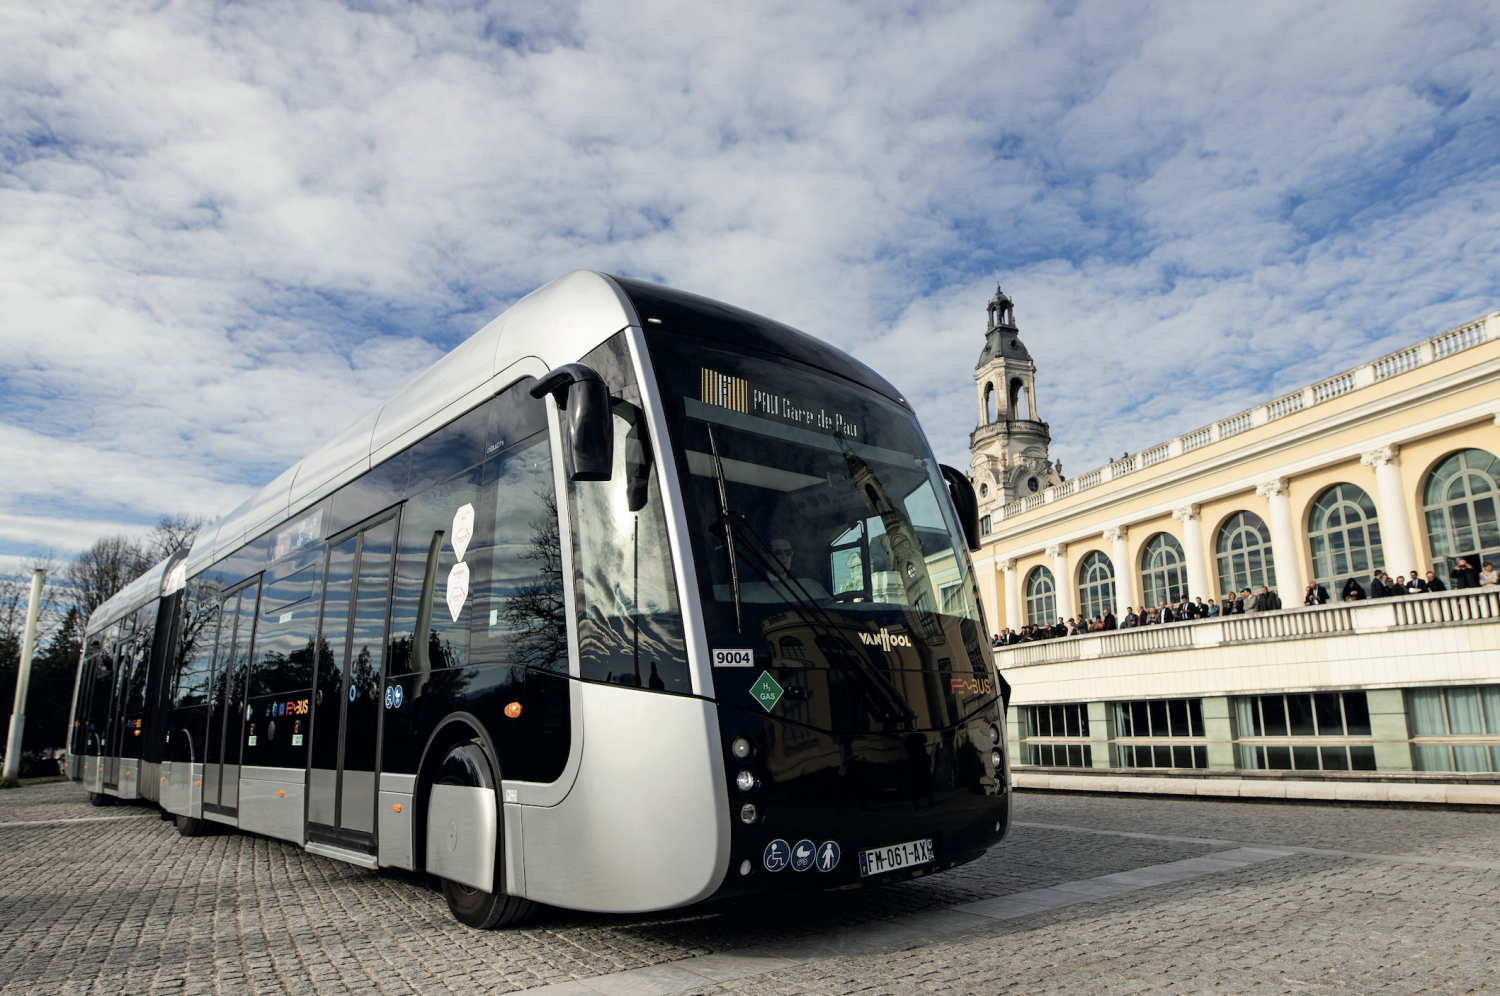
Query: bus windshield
point(822, 531)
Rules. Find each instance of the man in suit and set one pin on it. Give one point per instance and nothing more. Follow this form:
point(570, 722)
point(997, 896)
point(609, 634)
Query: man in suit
point(1130, 620)
point(1377, 586)
point(1316, 595)
point(1415, 585)
point(1185, 610)
point(1110, 624)
point(1164, 613)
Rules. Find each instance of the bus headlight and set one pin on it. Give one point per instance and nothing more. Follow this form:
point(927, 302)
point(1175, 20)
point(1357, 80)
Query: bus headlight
point(995, 759)
point(994, 733)
point(746, 782)
point(748, 813)
point(742, 748)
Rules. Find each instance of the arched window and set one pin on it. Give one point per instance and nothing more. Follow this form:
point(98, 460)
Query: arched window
point(1096, 585)
point(989, 403)
point(1041, 597)
point(1019, 409)
point(1244, 550)
point(1163, 571)
point(1345, 538)
point(1459, 505)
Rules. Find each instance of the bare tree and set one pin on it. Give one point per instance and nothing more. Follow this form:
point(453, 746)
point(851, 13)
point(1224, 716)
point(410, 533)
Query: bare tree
point(99, 572)
point(172, 533)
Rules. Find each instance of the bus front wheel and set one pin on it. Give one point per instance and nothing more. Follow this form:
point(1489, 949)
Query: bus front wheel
point(100, 799)
point(484, 910)
point(187, 826)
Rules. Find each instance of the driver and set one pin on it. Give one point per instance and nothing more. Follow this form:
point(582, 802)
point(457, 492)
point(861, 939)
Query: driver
point(781, 549)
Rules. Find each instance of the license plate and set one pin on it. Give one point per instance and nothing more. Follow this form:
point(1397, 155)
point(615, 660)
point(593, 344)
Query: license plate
point(879, 860)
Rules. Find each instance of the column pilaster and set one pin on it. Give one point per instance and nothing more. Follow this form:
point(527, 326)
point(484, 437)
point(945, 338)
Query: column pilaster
point(1014, 618)
point(1283, 541)
point(1124, 570)
point(1192, 547)
point(1063, 576)
point(1390, 498)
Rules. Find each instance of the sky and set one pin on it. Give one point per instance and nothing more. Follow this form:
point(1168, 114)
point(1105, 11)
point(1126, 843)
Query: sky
point(229, 229)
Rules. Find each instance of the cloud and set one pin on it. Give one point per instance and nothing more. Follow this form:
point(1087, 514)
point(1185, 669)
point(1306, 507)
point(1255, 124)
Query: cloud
point(225, 230)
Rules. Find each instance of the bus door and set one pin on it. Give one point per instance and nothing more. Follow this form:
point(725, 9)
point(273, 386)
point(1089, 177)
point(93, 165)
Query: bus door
point(226, 719)
point(99, 697)
point(341, 792)
point(124, 663)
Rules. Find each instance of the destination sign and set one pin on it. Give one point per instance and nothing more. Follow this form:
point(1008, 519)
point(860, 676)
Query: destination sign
point(738, 394)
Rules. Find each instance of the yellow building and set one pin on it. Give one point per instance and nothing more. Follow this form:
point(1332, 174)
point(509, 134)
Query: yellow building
point(1394, 464)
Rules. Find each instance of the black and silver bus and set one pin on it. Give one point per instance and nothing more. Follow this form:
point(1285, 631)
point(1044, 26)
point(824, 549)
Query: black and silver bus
point(631, 601)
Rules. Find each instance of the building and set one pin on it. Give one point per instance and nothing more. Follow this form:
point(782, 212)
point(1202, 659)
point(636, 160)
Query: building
point(1394, 464)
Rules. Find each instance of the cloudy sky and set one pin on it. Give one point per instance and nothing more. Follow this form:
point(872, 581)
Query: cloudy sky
point(226, 230)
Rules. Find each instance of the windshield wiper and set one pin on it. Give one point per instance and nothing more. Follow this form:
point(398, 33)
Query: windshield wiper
point(726, 524)
point(880, 695)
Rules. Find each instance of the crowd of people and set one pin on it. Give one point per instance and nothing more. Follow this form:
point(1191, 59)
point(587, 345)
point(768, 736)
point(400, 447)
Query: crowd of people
point(1382, 585)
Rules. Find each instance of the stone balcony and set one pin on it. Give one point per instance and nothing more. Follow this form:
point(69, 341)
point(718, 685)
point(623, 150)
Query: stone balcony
point(1412, 641)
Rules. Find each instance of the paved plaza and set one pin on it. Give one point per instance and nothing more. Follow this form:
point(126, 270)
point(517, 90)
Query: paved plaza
point(1089, 895)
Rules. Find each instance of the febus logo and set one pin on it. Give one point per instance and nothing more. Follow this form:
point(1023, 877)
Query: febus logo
point(885, 639)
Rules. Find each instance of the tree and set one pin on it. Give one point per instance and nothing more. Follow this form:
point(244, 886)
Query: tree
point(172, 533)
point(98, 573)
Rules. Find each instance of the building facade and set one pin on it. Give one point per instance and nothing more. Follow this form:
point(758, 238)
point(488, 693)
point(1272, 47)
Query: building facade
point(1393, 465)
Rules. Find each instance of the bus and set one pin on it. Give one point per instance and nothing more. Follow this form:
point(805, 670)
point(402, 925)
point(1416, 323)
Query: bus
point(633, 600)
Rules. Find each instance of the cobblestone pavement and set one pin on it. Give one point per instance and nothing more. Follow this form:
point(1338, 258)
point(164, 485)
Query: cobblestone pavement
point(112, 900)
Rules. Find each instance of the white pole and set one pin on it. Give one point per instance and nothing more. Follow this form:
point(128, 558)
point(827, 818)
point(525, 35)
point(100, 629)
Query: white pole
point(23, 678)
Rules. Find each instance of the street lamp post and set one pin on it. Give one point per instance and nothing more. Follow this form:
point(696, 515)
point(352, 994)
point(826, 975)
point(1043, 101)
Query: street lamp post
point(23, 678)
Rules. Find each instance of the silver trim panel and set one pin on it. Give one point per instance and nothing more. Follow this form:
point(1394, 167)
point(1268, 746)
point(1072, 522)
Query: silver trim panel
point(339, 854)
point(461, 824)
point(645, 828)
point(395, 828)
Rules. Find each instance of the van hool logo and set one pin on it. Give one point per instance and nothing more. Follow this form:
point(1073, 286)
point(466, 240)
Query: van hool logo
point(885, 639)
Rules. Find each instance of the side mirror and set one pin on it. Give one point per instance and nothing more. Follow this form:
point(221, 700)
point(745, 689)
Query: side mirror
point(582, 393)
point(964, 503)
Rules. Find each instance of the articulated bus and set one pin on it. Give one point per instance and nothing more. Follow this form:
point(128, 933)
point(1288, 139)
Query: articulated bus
point(633, 600)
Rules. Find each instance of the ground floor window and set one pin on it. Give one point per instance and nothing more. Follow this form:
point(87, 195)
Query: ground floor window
point(1442, 718)
point(1069, 721)
point(1060, 755)
point(1177, 721)
point(1282, 732)
point(1161, 755)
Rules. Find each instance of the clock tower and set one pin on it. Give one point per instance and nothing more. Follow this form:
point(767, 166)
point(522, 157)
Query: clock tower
point(1009, 446)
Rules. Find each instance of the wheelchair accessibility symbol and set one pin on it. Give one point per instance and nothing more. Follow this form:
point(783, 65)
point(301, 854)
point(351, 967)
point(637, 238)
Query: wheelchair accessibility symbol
point(778, 855)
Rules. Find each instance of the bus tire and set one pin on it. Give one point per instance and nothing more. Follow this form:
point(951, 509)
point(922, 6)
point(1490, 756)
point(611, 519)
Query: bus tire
point(188, 826)
point(100, 799)
point(484, 910)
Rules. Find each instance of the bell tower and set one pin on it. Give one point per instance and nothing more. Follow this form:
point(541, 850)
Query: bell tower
point(1009, 447)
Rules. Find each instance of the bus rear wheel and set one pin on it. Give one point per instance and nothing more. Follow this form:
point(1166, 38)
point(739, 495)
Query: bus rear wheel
point(100, 799)
point(187, 826)
point(484, 910)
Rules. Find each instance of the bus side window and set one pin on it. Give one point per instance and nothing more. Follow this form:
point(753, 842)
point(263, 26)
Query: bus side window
point(195, 648)
point(434, 585)
point(629, 620)
point(521, 617)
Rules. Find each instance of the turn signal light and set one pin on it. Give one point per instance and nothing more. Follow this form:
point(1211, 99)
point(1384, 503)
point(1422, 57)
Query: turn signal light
point(748, 813)
point(513, 710)
point(742, 748)
point(994, 733)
